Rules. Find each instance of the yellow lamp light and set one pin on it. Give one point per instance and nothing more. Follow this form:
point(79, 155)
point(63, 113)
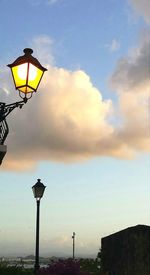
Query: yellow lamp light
point(27, 73)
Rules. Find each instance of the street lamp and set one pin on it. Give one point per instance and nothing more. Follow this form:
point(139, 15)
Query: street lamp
point(73, 244)
point(38, 191)
point(27, 73)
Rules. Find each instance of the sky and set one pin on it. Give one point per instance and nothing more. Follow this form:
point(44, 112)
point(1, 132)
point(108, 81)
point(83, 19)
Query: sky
point(85, 133)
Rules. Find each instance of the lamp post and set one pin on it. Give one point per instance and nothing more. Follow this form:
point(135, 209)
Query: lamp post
point(27, 73)
point(38, 191)
point(73, 244)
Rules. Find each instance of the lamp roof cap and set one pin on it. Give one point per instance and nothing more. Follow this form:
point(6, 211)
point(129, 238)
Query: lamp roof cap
point(27, 58)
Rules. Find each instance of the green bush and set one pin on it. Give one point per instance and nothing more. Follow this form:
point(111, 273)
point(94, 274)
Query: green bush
point(63, 267)
point(71, 267)
point(90, 265)
point(12, 270)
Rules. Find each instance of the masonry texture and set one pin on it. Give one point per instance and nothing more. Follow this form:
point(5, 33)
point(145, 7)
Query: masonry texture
point(126, 252)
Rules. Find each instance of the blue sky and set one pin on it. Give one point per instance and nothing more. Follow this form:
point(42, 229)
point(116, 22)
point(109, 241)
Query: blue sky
point(86, 131)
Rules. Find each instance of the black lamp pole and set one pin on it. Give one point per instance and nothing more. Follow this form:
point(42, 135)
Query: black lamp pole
point(37, 266)
point(73, 243)
point(38, 191)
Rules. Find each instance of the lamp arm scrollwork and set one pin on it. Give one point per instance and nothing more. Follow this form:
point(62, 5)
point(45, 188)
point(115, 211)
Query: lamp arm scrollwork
point(5, 110)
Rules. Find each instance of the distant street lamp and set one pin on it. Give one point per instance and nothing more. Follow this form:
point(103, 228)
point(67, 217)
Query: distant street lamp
point(73, 244)
point(38, 191)
point(27, 73)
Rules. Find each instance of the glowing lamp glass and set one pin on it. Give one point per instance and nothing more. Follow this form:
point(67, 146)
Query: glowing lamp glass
point(23, 69)
point(26, 77)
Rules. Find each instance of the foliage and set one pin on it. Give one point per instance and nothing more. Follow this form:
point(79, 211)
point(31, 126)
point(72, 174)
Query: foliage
point(12, 270)
point(63, 267)
point(91, 265)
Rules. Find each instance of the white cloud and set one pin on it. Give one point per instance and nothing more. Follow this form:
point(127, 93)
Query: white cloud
point(62, 245)
point(51, 2)
point(68, 120)
point(133, 71)
point(41, 2)
point(42, 46)
point(114, 46)
point(131, 80)
point(142, 7)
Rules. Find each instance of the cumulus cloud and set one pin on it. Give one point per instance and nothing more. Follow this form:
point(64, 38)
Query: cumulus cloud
point(65, 121)
point(68, 120)
point(61, 246)
point(133, 72)
point(131, 80)
point(142, 7)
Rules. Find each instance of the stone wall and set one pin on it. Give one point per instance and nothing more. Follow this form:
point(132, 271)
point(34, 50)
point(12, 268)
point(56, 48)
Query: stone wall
point(126, 252)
